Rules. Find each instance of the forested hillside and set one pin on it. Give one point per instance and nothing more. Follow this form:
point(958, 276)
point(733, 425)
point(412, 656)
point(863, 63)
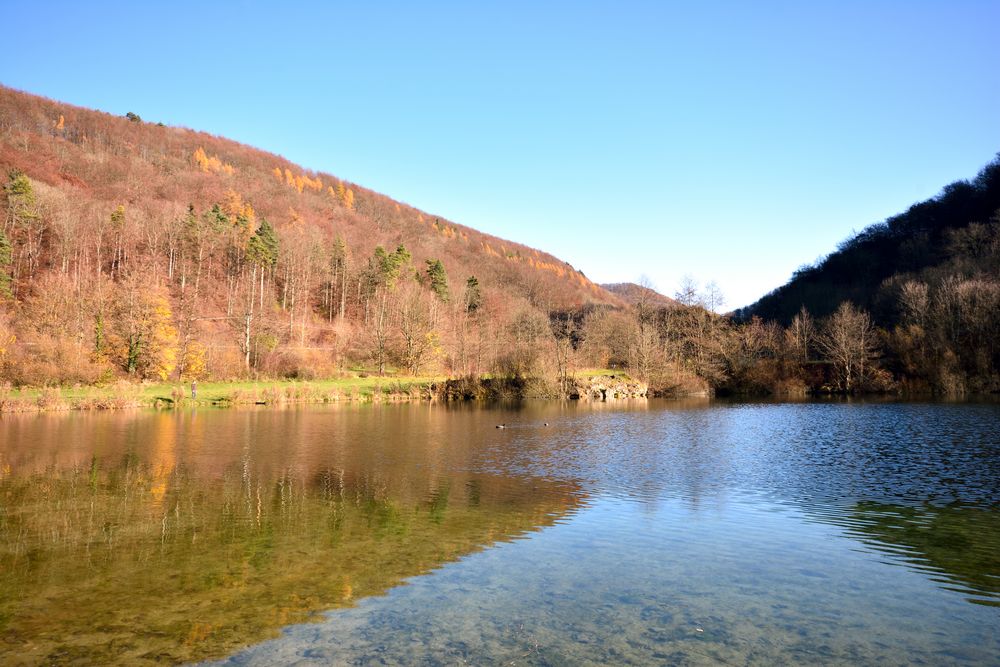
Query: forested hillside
point(953, 235)
point(930, 277)
point(129, 248)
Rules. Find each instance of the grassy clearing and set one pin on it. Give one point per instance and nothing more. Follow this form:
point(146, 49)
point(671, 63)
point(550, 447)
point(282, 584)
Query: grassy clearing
point(123, 394)
point(597, 372)
point(240, 392)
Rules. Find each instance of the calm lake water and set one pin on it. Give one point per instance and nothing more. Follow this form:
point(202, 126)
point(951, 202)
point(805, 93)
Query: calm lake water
point(631, 533)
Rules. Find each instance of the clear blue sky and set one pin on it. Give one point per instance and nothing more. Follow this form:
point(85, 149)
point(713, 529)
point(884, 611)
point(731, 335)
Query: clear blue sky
point(728, 141)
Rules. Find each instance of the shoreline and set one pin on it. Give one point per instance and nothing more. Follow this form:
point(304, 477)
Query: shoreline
point(585, 385)
point(132, 395)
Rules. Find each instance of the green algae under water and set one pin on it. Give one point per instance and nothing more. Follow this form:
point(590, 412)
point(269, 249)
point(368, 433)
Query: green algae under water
point(637, 533)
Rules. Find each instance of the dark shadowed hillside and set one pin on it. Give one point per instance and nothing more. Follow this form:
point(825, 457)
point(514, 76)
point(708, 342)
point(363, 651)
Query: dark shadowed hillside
point(930, 280)
point(951, 235)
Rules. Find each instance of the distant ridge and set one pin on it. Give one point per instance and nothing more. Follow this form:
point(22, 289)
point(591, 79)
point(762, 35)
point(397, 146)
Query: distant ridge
point(633, 294)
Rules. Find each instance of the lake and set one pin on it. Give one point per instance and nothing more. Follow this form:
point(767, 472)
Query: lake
point(685, 532)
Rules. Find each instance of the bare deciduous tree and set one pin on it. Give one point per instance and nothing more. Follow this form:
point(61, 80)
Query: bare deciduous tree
point(848, 342)
point(801, 335)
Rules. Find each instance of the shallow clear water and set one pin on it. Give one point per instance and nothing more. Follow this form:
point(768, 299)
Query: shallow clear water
point(634, 533)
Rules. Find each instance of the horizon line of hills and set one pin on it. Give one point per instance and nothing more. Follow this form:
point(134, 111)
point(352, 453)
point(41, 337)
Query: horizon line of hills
point(131, 248)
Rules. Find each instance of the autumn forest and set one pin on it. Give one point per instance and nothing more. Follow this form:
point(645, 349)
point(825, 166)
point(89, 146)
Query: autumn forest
point(134, 250)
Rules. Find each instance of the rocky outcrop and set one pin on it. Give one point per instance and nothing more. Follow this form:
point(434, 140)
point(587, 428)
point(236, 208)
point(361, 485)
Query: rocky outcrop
point(606, 388)
point(593, 388)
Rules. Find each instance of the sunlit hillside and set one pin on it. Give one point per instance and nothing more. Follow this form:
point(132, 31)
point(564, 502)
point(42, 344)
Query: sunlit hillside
point(140, 249)
point(634, 293)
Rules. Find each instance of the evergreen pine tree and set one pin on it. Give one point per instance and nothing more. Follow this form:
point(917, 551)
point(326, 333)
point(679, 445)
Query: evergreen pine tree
point(473, 295)
point(438, 279)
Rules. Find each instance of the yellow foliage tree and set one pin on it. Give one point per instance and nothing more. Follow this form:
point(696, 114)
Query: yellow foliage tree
point(142, 338)
point(232, 204)
point(235, 207)
point(61, 123)
point(211, 163)
point(162, 352)
point(7, 340)
point(194, 361)
point(200, 158)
